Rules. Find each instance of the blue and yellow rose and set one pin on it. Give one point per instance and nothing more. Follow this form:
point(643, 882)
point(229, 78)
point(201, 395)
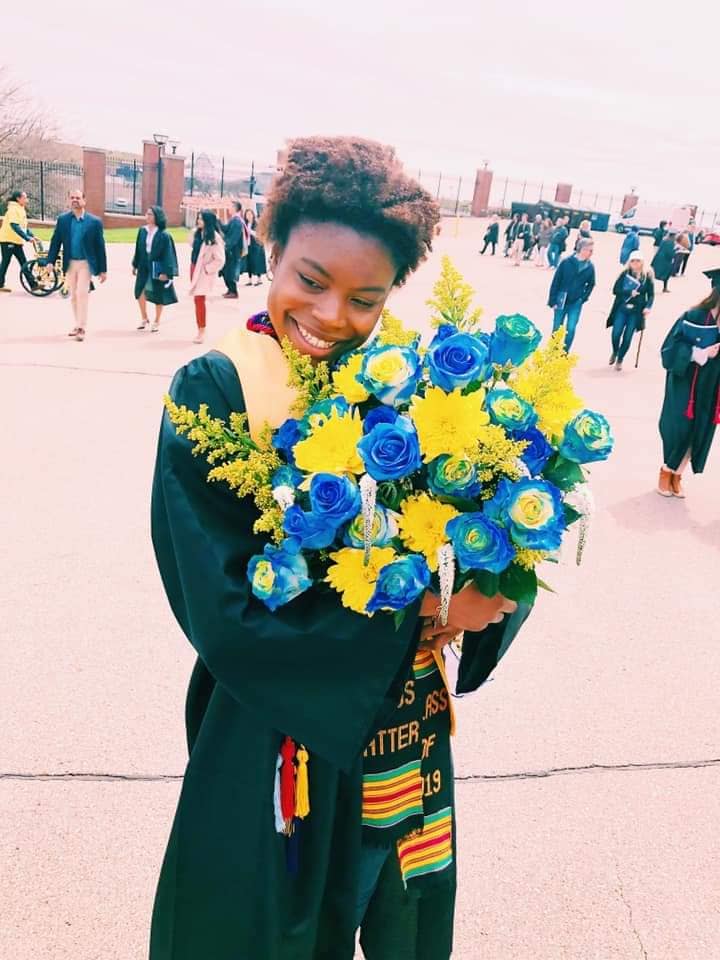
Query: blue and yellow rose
point(279, 574)
point(480, 543)
point(390, 373)
point(514, 339)
point(587, 438)
point(532, 511)
point(509, 410)
point(384, 529)
point(314, 532)
point(334, 497)
point(538, 451)
point(453, 477)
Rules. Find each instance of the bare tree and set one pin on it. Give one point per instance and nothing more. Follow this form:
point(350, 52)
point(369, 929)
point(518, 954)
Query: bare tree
point(25, 129)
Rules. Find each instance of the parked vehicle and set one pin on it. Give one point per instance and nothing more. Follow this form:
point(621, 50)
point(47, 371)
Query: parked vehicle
point(647, 216)
point(710, 236)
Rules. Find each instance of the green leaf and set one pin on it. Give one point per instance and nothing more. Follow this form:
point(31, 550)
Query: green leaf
point(545, 586)
point(460, 503)
point(563, 473)
point(472, 387)
point(398, 617)
point(487, 583)
point(519, 584)
point(571, 514)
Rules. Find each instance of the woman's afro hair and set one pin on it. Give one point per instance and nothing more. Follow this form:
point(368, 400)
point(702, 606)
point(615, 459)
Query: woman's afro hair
point(358, 183)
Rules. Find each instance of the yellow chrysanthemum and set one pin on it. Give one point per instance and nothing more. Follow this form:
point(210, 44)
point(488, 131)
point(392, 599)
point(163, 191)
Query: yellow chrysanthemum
point(448, 422)
point(332, 448)
point(545, 381)
point(345, 382)
point(353, 580)
point(422, 525)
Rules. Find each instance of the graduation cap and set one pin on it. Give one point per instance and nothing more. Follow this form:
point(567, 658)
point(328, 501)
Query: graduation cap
point(714, 277)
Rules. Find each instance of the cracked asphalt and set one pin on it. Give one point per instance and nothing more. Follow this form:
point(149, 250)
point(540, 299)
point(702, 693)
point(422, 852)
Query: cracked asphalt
point(588, 780)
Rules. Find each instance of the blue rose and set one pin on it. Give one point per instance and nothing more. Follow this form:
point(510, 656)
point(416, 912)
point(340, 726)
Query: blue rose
point(279, 574)
point(286, 476)
point(457, 361)
point(400, 583)
point(334, 498)
point(587, 438)
point(384, 529)
point(390, 373)
point(286, 436)
point(532, 511)
point(391, 450)
point(514, 339)
point(381, 414)
point(537, 453)
point(444, 331)
point(450, 476)
point(319, 413)
point(480, 543)
point(313, 531)
point(509, 410)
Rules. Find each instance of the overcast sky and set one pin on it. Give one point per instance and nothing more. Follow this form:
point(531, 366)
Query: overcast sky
point(601, 93)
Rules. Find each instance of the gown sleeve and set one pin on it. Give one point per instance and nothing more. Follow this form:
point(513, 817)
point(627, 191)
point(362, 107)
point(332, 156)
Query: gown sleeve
point(312, 670)
point(481, 652)
point(676, 352)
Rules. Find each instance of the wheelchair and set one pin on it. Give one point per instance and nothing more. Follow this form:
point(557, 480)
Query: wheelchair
point(40, 278)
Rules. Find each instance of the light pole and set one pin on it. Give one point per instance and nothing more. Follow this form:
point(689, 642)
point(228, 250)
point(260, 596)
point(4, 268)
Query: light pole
point(161, 140)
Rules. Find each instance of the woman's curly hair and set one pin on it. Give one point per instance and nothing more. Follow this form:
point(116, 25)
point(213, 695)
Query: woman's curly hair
point(358, 183)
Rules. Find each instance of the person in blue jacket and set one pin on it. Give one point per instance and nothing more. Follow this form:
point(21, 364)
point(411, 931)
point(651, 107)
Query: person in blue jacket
point(80, 236)
point(630, 244)
point(572, 284)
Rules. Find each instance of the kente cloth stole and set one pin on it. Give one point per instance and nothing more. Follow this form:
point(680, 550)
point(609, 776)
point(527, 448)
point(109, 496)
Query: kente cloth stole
point(407, 766)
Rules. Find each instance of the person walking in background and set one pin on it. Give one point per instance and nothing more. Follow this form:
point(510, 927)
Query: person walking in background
point(535, 228)
point(80, 237)
point(659, 233)
point(663, 260)
point(691, 406)
point(256, 260)
point(209, 259)
point(510, 231)
point(630, 244)
point(682, 253)
point(492, 235)
point(546, 230)
point(14, 232)
point(558, 242)
point(521, 239)
point(236, 247)
point(634, 292)
point(584, 233)
point(154, 265)
point(570, 289)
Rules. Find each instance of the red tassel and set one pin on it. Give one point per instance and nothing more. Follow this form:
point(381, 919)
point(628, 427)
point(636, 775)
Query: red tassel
point(287, 779)
point(690, 412)
point(717, 408)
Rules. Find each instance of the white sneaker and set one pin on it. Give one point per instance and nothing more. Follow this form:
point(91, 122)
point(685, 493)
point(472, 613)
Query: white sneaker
point(155, 327)
point(199, 337)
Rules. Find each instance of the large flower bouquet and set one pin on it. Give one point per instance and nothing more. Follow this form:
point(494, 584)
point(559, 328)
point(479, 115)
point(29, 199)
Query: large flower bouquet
point(405, 468)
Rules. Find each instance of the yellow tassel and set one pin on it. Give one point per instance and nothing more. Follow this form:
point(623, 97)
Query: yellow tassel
point(302, 787)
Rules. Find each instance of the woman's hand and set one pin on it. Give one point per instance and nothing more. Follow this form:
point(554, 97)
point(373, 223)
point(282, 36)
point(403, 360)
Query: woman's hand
point(163, 276)
point(469, 610)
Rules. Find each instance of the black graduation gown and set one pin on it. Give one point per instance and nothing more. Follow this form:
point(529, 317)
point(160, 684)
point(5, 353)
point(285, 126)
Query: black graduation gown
point(313, 670)
point(680, 433)
point(662, 262)
point(163, 254)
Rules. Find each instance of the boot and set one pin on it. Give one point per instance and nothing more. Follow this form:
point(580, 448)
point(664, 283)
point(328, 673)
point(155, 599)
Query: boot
point(664, 487)
point(676, 486)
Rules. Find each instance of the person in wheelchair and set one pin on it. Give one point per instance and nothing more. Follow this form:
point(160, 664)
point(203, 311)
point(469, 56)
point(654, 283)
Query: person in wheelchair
point(14, 232)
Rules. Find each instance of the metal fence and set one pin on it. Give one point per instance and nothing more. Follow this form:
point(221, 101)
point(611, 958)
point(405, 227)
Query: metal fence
point(123, 184)
point(452, 192)
point(46, 183)
point(207, 175)
point(505, 191)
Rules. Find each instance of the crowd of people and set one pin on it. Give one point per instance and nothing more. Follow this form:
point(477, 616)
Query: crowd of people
point(690, 354)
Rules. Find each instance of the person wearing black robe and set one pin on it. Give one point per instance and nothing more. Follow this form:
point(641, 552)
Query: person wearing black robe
point(154, 264)
point(235, 233)
point(634, 292)
point(662, 262)
point(232, 887)
point(691, 406)
point(256, 261)
point(492, 235)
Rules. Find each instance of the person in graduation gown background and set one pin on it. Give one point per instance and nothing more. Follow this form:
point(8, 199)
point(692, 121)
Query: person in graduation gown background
point(154, 265)
point(691, 406)
point(346, 225)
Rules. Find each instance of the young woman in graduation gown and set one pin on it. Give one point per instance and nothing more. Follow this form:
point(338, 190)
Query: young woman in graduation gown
point(363, 699)
point(154, 264)
point(691, 408)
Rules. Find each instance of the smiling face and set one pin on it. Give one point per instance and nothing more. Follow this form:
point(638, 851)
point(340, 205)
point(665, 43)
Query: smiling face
point(329, 287)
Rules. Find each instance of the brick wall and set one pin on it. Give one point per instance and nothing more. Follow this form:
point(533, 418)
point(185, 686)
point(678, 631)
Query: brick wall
point(94, 180)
